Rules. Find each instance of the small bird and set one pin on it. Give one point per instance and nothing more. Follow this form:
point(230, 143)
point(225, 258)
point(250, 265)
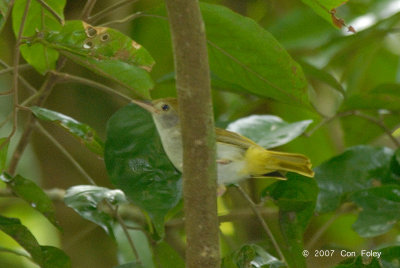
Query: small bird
point(238, 157)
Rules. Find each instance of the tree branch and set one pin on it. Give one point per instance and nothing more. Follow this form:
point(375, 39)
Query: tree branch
point(198, 135)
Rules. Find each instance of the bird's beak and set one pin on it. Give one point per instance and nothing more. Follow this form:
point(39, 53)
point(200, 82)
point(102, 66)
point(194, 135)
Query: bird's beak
point(147, 105)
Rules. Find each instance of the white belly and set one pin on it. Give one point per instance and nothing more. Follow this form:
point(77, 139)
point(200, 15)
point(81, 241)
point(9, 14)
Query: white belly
point(229, 173)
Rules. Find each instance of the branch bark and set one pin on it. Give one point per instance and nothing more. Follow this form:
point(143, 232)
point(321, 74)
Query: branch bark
point(198, 136)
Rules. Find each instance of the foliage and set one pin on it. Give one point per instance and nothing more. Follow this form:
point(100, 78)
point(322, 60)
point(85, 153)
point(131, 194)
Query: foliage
point(283, 75)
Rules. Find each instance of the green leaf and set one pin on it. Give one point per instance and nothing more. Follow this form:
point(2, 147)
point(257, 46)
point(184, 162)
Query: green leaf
point(166, 256)
point(251, 256)
point(4, 12)
point(243, 53)
point(296, 200)
point(137, 164)
point(22, 236)
point(323, 7)
point(32, 194)
point(130, 265)
point(353, 170)
point(323, 76)
point(390, 256)
point(3, 153)
point(268, 130)
point(106, 52)
point(380, 210)
point(85, 200)
point(55, 258)
point(82, 132)
point(358, 262)
point(38, 18)
point(384, 96)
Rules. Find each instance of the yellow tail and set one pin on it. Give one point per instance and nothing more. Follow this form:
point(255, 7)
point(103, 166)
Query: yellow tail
point(261, 161)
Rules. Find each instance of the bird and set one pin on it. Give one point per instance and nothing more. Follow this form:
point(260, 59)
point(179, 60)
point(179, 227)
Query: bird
point(238, 157)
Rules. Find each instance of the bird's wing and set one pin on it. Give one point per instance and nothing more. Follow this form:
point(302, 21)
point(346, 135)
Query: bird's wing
point(233, 138)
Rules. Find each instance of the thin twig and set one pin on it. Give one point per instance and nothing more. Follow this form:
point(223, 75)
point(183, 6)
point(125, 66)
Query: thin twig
point(66, 154)
point(15, 74)
point(73, 78)
point(87, 9)
point(263, 223)
point(21, 78)
point(379, 123)
point(123, 20)
point(98, 16)
point(51, 10)
point(326, 120)
point(9, 69)
point(126, 231)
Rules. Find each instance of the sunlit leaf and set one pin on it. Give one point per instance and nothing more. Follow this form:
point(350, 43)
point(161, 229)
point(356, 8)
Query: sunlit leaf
point(106, 52)
point(243, 53)
point(4, 12)
point(268, 130)
point(137, 164)
point(22, 236)
point(32, 194)
point(380, 210)
point(38, 18)
point(83, 132)
point(3, 153)
point(355, 169)
point(167, 256)
point(55, 258)
point(296, 199)
point(251, 256)
point(85, 200)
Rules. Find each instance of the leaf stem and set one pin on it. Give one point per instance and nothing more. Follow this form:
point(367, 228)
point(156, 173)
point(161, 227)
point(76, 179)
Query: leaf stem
point(263, 223)
point(98, 16)
point(52, 11)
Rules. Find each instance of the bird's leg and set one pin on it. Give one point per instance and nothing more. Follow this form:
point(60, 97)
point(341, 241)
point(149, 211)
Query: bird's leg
point(221, 190)
point(224, 161)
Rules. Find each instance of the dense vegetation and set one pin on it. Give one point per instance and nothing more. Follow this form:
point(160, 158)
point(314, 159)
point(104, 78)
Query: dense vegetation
point(85, 181)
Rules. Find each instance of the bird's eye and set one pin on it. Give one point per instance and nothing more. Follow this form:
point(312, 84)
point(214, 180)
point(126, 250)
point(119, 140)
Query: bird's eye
point(165, 107)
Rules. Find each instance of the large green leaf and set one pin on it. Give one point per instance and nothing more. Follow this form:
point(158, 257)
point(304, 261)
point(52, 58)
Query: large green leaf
point(107, 52)
point(323, 8)
point(32, 194)
point(380, 210)
point(384, 96)
point(38, 18)
point(296, 200)
point(268, 130)
point(82, 132)
point(3, 153)
point(4, 12)
point(251, 256)
point(353, 170)
point(55, 258)
point(85, 200)
point(241, 52)
point(44, 256)
point(21, 234)
point(137, 164)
